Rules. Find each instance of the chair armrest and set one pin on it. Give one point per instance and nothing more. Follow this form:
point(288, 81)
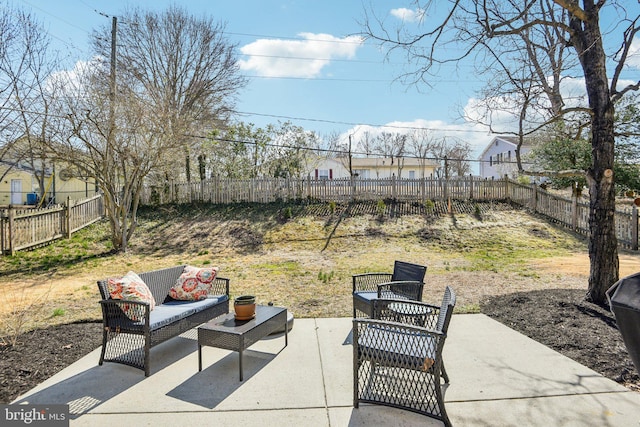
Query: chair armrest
point(411, 290)
point(415, 313)
point(369, 281)
point(114, 313)
point(220, 286)
point(397, 344)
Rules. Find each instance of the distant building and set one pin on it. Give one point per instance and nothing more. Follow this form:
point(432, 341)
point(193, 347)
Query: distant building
point(499, 157)
point(19, 185)
point(373, 167)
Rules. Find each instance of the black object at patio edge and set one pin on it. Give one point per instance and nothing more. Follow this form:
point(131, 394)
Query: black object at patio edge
point(624, 301)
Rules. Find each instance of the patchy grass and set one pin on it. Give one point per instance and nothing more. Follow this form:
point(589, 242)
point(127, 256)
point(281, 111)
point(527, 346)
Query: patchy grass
point(303, 261)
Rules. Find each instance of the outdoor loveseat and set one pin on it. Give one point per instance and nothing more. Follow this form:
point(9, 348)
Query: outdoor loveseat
point(133, 322)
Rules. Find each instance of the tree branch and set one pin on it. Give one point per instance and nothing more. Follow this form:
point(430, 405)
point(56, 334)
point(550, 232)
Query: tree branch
point(573, 8)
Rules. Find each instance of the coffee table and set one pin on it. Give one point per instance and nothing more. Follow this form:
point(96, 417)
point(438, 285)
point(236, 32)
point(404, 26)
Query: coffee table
point(230, 334)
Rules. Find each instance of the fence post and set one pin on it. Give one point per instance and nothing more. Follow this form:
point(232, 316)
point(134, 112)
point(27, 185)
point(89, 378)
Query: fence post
point(12, 245)
point(470, 186)
point(393, 186)
point(67, 217)
point(634, 228)
point(574, 211)
point(507, 189)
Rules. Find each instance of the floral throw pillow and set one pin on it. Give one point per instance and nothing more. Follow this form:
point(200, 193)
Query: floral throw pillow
point(131, 287)
point(194, 283)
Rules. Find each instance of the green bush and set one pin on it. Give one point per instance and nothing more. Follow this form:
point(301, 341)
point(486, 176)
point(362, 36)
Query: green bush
point(429, 206)
point(381, 207)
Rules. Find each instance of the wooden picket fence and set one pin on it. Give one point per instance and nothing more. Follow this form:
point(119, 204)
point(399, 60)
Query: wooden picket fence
point(268, 190)
point(572, 213)
point(23, 228)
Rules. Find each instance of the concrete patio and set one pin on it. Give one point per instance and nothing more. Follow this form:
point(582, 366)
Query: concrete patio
point(498, 378)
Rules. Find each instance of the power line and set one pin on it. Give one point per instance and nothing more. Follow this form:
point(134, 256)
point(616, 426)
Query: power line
point(360, 61)
point(246, 113)
point(347, 152)
point(338, 41)
point(324, 79)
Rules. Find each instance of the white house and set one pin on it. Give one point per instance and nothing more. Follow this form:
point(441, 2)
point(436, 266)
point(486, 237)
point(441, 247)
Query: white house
point(373, 167)
point(499, 157)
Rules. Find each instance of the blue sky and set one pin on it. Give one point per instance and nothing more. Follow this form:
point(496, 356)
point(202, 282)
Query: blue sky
point(343, 87)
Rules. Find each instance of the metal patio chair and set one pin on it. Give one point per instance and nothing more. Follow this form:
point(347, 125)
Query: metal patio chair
point(406, 282)
point(399, 364)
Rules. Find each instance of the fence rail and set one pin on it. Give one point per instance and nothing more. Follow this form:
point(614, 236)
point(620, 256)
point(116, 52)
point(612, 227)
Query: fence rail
point(22, 228)
point(572, 213)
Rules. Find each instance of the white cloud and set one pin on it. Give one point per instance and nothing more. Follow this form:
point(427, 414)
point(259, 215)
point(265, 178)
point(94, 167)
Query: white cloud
point(70, 81)
point(282, 58)
point(477, 136)
point(408, 15)
point(633, 58)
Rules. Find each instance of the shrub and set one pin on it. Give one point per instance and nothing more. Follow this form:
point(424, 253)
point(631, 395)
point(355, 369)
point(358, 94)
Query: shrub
point(381, 207)
point(429, 206)
point(287, 213)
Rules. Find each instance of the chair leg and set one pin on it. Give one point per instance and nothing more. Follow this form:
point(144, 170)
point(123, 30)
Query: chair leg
point(443, 412)
point(104, 345)
point(147, 357)
point(443, 373)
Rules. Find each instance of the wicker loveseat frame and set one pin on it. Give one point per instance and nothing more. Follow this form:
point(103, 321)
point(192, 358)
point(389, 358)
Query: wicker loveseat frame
point(129, 342)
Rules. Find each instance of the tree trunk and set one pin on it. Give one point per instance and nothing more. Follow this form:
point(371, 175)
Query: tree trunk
point(603, 244)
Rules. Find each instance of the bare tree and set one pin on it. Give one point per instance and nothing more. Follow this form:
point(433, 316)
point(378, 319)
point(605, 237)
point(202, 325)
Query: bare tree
point(26, 62)
point(393, 146)
point(176, 75)
point(182, 68)
point(27, 65)
point(575, 25)
point(420, 143)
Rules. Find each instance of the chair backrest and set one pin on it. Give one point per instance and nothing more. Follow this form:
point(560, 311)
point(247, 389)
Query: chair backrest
point(446, 310)
point(405, 271)
point(158, 281)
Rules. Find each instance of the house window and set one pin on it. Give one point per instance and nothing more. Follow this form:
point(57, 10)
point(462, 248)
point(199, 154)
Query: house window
point(490, 161)
point(324, 174)
point(412, 174)
point(361, 173)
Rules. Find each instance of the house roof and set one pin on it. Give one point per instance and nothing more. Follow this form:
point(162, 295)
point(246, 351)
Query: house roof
point(391, 162)
point(512, 140)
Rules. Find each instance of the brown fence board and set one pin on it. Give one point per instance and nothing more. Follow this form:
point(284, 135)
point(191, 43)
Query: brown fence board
point(22, 228)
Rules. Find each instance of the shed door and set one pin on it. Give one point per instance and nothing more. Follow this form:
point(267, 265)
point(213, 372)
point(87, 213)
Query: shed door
point(16, 191)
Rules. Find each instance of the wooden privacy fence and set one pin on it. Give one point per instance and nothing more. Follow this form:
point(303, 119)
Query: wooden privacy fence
point(22, 228)
point(572, 212)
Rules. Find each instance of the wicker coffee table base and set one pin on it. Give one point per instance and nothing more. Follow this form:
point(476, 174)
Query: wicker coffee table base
point(228, 333)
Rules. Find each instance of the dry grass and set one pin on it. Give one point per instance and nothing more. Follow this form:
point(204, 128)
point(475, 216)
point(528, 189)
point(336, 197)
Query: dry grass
point(304, 263)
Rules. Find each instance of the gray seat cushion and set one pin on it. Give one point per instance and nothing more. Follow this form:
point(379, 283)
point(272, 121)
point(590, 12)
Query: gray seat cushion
point(173, 310)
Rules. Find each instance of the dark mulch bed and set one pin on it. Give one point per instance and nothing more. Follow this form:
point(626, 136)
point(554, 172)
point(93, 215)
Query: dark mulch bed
point(558, 318)
point(40, 354)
